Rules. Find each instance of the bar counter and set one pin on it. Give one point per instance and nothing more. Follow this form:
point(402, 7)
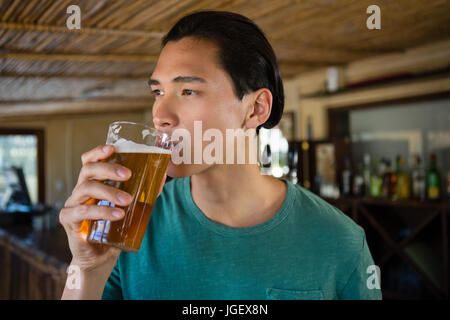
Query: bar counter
point(33, 263)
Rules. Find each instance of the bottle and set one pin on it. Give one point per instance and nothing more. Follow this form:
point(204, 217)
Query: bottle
point(266, 158)
point(293, 167)
point(433, 180)
point(347, 178)
point(358, 182)
point(389, 181)
point(393, 186)
point(448, 185)
point(448, 178)
point(317, 187)
point(402, 190)
point(418, 179)
point(376, 180)
point(367, 172)
point(266, 161)
point(309, 128)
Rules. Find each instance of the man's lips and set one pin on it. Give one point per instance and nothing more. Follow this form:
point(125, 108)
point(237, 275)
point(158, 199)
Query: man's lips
point(177, 147)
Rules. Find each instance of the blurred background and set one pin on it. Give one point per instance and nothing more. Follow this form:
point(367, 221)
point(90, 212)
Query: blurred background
point(366, 123)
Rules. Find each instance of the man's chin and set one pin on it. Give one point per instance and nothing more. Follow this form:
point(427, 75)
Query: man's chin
point(184, 170)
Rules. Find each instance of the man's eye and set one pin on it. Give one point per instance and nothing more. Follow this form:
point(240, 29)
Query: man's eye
point(189, 92)
point(157, 92)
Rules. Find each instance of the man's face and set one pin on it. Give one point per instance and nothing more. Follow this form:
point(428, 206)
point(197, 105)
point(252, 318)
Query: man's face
point(190, 85)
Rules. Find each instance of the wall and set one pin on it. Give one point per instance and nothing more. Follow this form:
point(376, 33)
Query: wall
point(317, 107)
point(66, 139)
point(313, 101)
point(416, 127)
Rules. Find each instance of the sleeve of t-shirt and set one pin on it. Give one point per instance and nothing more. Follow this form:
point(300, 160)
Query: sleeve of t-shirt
point(113, 289)
point(364, 281)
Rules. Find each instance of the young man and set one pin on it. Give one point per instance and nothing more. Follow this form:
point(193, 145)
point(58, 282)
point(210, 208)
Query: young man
point(218, 231)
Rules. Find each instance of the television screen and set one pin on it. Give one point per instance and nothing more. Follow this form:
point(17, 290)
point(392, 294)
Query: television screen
point(17, 195)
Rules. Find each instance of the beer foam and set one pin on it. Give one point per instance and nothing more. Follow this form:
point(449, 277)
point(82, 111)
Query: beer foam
point(127, 146)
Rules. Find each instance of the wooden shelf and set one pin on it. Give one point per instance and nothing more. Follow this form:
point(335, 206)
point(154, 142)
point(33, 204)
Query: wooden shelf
point(392, 203)
point(380, 219)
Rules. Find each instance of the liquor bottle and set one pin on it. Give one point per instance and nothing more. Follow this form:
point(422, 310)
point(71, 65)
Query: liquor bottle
point(418, 179)
point(266, 158)
point(448, 185)
point(358, 181)
point(448, 178)
point(347, 178)
point(266, 161)
point(376, 180)
point(402, 190)
point(433, 180)
point(389, 181)
point(367, 172)
point(293, 167)
point(309, 128)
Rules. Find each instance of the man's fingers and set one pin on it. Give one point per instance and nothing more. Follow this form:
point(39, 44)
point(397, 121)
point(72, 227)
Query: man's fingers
point(103, 171)
point(72, 217)
point(98, 153)
point(91, 189)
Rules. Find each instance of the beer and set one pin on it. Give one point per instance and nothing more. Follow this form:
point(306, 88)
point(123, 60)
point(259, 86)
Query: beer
point(402, 190)
point(148, 165)
point(433, 180)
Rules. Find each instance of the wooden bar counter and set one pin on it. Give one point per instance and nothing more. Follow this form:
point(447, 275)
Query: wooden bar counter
point(33, 263)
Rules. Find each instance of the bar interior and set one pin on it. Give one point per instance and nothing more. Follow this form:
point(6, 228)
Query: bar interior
point(366, 123)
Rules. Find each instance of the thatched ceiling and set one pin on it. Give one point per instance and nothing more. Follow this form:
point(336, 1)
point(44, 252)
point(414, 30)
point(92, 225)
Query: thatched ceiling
point(305, 34)
point(121, 39)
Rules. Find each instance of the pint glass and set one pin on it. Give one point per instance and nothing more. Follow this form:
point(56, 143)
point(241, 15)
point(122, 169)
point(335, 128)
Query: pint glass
point(146, 152)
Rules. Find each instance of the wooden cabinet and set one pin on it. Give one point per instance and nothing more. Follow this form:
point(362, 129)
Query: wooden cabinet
point(409, 241)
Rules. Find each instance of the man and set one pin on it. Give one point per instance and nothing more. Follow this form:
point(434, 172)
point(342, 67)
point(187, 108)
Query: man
point(218, 231)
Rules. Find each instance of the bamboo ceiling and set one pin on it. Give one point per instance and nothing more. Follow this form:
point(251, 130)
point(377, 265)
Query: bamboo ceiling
point(121, 38)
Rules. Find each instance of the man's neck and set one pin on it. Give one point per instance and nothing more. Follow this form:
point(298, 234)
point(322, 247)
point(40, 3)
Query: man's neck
point(237, 195)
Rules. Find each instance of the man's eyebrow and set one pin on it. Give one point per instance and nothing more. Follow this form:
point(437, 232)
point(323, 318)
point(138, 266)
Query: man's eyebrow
point(188, 79)
point(178, 79)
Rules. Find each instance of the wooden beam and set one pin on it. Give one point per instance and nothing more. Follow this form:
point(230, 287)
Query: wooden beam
point(415, 60)
point(74, 76)
point(124, 58)
point(78, 57)
point(405, 89)
point(27, 109)
point(426, 58)
point(317, 107)
point(83, 30)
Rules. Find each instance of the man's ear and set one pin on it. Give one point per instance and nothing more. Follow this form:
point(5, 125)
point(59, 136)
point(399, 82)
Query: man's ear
point(260, 106)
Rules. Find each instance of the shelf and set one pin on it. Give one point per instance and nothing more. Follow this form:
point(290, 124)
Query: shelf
point(405, 231)
point(391, 203)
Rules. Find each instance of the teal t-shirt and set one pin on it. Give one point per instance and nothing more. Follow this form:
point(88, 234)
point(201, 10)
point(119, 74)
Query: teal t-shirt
point(307, 250)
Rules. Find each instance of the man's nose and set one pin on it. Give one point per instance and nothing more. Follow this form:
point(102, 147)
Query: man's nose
point(164, 118)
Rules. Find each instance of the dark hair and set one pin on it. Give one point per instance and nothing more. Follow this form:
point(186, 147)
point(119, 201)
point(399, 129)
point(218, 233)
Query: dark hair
point(244, 53)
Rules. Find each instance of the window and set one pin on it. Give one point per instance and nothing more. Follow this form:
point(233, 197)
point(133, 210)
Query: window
point(24, 148)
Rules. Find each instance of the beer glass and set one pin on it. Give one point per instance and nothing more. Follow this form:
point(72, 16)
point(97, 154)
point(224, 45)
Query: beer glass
point(146, 152)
